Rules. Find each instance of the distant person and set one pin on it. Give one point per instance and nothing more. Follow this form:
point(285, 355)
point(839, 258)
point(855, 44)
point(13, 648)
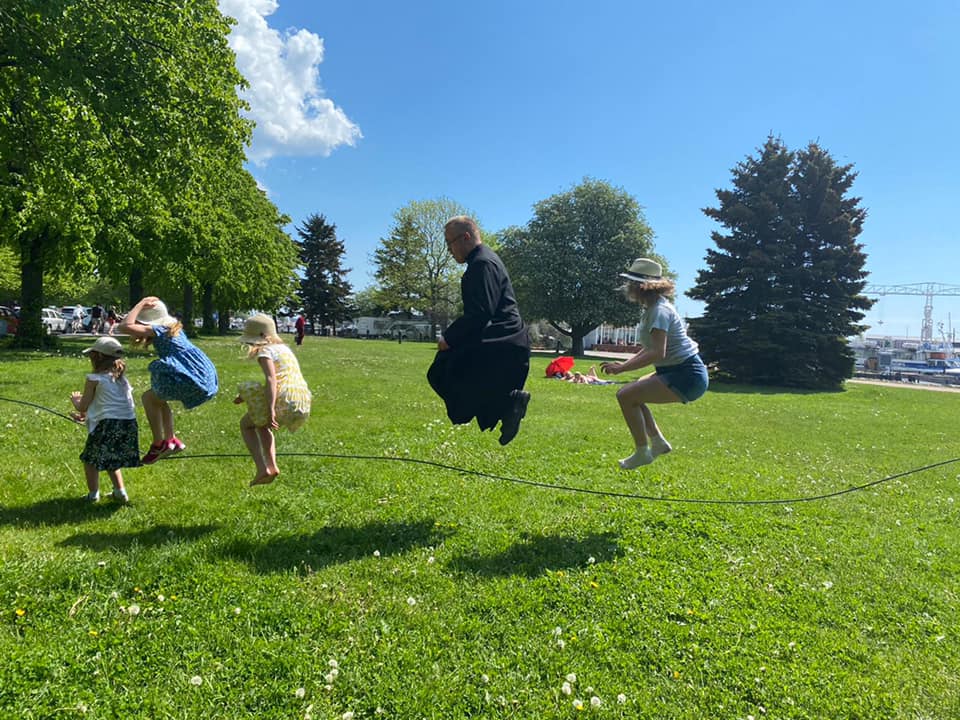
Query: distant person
point(106, 405)
point(76, 322)
point(300, 326)
point(181, 372)
point(96, 319)
point(483, 358)
point(112, 319)
point(680, 375)
point(283, 400)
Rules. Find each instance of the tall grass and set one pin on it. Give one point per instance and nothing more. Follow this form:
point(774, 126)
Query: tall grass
point(392, 589)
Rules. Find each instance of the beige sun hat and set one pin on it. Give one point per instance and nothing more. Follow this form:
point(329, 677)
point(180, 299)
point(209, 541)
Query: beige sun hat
point(643, 270)
point(156, 315)
point(108, 346)
point(257, 329)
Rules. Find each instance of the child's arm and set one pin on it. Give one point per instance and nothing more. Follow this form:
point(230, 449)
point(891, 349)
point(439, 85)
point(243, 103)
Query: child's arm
point(81, 401)
point(270, 373)
point(131, 326)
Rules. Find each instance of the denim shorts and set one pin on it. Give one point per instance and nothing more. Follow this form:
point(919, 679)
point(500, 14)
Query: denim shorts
point(687, 379)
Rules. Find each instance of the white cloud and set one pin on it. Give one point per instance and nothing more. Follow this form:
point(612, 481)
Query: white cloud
point(286, 100)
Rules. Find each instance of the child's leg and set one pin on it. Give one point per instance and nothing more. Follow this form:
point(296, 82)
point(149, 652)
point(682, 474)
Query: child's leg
point(252, 440)
point(153, 407)
point(166, 418)
point(269, 445)
point(93, 480)
point(119, 491)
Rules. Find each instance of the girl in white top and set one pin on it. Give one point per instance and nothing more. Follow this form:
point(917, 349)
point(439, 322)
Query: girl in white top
point(106, 405)
point(680, 373)
point(282, 401)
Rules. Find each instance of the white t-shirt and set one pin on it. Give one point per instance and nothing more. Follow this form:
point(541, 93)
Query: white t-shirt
point(112, 400)
point(663, 316)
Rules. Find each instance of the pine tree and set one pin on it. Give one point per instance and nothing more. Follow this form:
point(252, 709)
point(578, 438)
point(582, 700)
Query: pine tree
point(324, 290)
point(783, 286)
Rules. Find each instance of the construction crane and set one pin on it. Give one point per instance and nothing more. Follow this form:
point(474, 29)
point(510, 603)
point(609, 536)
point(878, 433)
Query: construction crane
point(928, 290)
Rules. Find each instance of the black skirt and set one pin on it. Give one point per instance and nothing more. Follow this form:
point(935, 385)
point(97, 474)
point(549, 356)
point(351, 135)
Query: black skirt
point(114, 444)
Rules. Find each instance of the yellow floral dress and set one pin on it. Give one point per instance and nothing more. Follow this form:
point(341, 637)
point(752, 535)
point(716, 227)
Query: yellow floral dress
point(293, 396)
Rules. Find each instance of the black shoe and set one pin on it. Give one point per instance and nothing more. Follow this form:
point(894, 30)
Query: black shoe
point(511, 422)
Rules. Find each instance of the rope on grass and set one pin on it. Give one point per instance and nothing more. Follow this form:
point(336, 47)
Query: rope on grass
point(545, 485)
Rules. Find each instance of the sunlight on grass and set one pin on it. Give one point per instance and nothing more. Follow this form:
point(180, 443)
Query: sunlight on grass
point(370, 588)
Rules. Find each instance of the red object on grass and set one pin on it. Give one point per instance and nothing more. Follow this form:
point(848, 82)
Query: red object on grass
point(559, 365)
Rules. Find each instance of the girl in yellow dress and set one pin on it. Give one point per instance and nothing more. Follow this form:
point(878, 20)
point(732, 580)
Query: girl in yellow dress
point(282, 401)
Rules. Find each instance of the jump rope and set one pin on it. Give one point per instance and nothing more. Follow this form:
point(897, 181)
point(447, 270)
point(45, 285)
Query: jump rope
point(536, 483)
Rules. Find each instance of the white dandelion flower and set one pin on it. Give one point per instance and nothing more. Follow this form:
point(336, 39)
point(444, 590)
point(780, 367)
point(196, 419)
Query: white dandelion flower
point(431, 560)
point(591, 560)
point(102, 563)
point(578, 704)
point(348, 715)
point(572, 678)
point(411, 601)
point(300, 692)
point(557, 631)
point(196, 681)
point(329, 677)
point(333, 663)
point(484, 678)
point(827, 584)
point(376, 553)
point(160, 598)
point(560, 643)
point(133, 609)
point(595, 702)
point(621, 698)
point(236, 611)
point(566, 689)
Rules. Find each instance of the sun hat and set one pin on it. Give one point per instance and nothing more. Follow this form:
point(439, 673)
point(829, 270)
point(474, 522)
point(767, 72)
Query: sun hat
point(257, 329)
point(156, 315)
point(642, 270)
point(108, 346)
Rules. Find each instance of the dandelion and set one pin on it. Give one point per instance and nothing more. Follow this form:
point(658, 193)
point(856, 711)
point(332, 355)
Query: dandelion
point(236, 611)
point(333, 663)
point(621, 698)
point(329, 677)
point(593, 585)
point(82, 707)
point(334, 672)
point(133, 610)
point(92, 633)
point(348, 715)
point(376, 553)
point(431, 560)
point(21, 612)
point(300, 692)
point(827, 584)
point(411, 601)
point(484, 678)
point(558, 631)
point(196, 681)
point(578, 704)
point(102, 563)
point(114, 595)
point(572, 678)
point(160, 598)
point(566, 689)
point(591, 560)
point(560, 643)
point(595, 702)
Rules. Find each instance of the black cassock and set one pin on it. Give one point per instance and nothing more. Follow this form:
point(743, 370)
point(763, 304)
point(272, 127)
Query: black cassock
point(489, 353)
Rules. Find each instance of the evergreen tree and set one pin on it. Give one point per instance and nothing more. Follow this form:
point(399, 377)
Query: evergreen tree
point(324, 290)
point(783, 286)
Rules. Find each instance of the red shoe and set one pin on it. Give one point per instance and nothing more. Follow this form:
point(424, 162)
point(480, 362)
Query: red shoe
point(174, 445)
point(154, 453)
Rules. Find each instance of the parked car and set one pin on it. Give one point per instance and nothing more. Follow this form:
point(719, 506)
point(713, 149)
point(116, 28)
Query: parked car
point(83, 325)
point(53, 321)
point(9, 321)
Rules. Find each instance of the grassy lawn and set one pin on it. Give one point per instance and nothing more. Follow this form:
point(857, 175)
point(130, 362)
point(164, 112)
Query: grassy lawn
point(398, 590)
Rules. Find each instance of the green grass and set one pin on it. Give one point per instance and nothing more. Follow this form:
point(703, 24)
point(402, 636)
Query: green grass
point(446, 595)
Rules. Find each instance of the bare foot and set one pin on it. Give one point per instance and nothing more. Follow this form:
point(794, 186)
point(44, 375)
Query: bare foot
point(265, 478)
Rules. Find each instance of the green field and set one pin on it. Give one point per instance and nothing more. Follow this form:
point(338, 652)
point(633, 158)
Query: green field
point(400, 590)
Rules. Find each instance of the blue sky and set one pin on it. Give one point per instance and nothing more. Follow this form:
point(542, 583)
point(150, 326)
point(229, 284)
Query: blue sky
point(365, 106)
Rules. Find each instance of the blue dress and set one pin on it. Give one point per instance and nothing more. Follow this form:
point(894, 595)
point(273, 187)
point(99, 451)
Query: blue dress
point(182, 371)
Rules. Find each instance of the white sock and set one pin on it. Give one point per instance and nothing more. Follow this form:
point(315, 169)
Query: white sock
point(642, 456)
point(659, 446)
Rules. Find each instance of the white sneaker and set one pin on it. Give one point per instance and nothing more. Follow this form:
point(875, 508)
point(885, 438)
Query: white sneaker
point(643, 456)
point(120, 496)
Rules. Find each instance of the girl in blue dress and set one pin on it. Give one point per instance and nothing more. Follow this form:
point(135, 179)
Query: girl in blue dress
point(181, 372)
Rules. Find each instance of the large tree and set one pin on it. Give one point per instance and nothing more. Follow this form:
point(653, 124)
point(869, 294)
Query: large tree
point(783, 288)
point(324, 289)
point(414, 266)
point(102, 104)
point(565, 262)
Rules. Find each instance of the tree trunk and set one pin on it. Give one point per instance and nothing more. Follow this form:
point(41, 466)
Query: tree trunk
point(31, 332)
point(187, 313)
point(209, 324)
point(136, 285)
point(223, 321)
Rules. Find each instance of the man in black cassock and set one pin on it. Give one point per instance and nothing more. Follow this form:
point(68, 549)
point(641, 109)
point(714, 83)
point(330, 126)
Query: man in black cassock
point(484, 356)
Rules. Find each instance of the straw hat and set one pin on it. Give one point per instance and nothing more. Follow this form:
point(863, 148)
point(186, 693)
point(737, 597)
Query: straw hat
point(257, 329)
point(156, 315)
point(108, 346)
point(643, 270)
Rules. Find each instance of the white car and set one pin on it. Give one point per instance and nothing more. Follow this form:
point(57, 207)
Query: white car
point(53, 321)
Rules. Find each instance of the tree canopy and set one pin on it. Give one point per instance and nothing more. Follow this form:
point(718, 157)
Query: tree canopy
point(783, 286)
point(564, 264)
point(324, 290)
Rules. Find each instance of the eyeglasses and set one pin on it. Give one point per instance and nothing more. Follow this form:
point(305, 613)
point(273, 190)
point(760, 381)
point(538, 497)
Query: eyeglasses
point(451, 241)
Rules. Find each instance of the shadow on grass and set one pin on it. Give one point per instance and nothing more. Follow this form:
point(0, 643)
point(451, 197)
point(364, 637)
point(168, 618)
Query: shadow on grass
point(332, 545)
point(532, 556)
point(57, 511)
point(151, 537)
